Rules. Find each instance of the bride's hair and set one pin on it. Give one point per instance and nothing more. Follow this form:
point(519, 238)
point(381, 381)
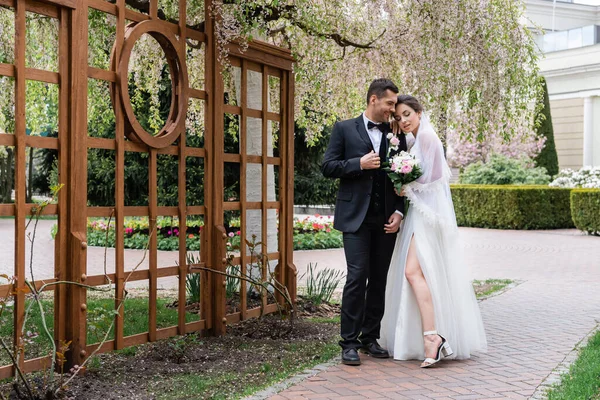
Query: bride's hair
point(410, 101)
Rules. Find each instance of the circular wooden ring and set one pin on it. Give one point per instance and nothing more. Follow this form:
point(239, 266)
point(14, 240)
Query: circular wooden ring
point(175, 123)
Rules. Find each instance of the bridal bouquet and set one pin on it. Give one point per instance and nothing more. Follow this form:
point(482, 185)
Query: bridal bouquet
point(402, 168)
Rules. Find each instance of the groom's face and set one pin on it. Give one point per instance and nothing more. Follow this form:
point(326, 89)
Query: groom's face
point(383, 107)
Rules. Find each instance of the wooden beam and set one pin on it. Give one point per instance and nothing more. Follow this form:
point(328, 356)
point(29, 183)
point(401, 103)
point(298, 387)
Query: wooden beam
point(73, 137)
point(20, 178)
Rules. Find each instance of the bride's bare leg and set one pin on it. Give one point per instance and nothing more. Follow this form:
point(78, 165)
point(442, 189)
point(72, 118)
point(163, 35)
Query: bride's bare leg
point(417, 281)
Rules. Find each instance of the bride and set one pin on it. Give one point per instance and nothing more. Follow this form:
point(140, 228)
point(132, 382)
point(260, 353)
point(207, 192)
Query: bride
point(431, 311)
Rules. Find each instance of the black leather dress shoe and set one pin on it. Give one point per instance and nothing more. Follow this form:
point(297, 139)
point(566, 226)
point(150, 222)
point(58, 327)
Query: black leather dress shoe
point(375, 350)
point(350, 357)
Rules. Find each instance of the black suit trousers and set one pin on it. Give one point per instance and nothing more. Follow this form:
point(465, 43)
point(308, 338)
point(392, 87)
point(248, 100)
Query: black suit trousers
point(368, 254)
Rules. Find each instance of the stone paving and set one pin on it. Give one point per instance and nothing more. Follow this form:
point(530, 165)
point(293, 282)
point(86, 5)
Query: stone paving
point(531, 328)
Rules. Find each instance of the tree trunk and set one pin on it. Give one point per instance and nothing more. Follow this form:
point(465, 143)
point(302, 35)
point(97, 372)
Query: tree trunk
point(443, 128)
point(29, 193)
point(7, 175)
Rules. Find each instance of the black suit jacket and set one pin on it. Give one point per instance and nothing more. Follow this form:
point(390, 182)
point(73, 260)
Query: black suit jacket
point(350, 141)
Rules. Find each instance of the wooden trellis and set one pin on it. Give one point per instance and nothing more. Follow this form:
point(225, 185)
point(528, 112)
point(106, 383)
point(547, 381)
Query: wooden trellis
point(73, 144)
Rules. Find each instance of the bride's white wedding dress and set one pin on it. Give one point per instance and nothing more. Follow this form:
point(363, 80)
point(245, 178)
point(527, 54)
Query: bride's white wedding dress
point(432, 222)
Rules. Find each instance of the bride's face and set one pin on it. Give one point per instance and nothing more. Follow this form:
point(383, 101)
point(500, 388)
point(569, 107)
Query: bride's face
point(409, 119)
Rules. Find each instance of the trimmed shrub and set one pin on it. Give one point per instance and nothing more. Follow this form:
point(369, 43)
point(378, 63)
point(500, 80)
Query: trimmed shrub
point(512, 207)
point(547, 158)
point(501, 170)
point(585, 210)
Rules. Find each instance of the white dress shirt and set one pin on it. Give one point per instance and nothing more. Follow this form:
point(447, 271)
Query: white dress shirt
point(374, 134)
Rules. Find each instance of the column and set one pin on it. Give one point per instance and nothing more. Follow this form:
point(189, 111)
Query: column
point(588, 131)
point(596, 131)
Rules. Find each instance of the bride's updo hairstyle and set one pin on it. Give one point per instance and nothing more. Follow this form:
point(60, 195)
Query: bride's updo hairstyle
point(410, 101)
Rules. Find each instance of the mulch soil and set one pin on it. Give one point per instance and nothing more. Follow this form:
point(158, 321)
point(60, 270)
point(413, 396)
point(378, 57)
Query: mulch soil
point(246, 347)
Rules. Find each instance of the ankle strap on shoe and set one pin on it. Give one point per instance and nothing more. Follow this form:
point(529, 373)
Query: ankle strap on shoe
point(427, 333)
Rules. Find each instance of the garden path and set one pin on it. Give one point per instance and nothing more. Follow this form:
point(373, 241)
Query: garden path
point(531, 328)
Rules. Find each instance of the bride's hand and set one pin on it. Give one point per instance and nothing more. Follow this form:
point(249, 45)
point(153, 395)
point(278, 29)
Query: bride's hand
point(395, 125)
point(401, 194)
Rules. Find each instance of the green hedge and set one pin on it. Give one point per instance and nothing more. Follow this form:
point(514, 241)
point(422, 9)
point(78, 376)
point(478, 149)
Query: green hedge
point(512, 207)
point(585, 210)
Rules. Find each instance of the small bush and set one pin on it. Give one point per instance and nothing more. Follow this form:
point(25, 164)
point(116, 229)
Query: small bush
point(192, 281)
point(321, 285)
point(585, 210)
point(501, 170)
point(512, 207)
point(547, 157)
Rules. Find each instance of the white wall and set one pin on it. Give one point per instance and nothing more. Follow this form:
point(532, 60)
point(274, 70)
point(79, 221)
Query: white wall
point(567, 121)
point(567, 15)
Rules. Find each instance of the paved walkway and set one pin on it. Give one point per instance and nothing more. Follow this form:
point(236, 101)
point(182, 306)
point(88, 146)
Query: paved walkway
point(531, 328)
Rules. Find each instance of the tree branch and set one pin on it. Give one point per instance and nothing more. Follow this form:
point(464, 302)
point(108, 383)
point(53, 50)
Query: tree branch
point(16, 365)
point(143, 6)
point(269, 14)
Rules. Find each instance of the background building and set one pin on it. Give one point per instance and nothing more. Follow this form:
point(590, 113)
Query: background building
point(569, 38)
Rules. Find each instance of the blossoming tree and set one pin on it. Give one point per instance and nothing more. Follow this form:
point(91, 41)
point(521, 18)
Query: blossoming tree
point(471, 62)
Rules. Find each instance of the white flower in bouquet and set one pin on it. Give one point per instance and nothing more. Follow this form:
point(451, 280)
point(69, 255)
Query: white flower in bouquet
point(403, 168)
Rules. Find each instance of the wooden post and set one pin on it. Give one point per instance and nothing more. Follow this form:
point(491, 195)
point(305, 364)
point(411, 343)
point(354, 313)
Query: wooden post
point(75, 317)
point(182, 209)
point(20, 147)
point(291, 272)
point(60, 256)
point(207, 279)
point(214, 157)
point(119, 188)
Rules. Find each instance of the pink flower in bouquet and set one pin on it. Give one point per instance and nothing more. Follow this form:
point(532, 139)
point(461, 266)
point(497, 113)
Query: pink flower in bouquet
point(394, 141)
point(394, 167)
point(406, 169)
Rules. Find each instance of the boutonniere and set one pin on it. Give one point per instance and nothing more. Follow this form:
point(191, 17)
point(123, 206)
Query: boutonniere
point(393, 141)
point(393, 144)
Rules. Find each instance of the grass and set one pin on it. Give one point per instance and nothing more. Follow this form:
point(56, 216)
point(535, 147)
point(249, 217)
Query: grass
point(325, 320)
point(100, 315)
point(489, 286)
point(583, 379)
point(226, 386)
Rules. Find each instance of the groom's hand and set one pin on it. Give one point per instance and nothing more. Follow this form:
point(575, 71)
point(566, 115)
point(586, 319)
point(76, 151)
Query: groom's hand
point(393, 223)
point(370, 161)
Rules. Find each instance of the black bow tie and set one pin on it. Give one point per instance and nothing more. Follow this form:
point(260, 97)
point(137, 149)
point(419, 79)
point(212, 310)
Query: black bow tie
point(371, 125)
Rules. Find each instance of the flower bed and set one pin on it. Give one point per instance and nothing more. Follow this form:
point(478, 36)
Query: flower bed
point(137, 230)
point(311, 232)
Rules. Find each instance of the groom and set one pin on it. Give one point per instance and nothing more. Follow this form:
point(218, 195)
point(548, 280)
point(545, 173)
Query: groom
point(368, 212)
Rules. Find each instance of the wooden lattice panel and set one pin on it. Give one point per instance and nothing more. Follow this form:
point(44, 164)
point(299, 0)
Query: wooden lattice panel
point(265, 115)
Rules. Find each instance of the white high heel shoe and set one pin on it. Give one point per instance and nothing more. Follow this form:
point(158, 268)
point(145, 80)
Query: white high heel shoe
point(443, 350)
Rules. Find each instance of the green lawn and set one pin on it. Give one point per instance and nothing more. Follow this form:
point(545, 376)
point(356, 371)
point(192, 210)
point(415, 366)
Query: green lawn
point(583, 380)
point(489, 286)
